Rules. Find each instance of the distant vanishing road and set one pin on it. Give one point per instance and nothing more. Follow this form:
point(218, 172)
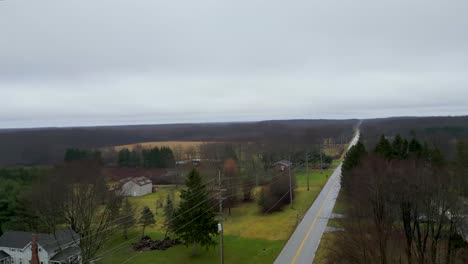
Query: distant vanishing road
point(303, 243)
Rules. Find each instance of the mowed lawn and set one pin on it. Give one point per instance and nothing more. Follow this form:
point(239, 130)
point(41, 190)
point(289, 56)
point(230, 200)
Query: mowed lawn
point(236, 250)
point(257, 236)
point(316, 177)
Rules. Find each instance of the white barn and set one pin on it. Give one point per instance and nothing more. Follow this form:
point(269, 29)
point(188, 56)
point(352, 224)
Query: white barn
point(15, 247)
point(136, 186)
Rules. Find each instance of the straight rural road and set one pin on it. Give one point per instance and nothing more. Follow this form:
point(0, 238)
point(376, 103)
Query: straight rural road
point(302, 245)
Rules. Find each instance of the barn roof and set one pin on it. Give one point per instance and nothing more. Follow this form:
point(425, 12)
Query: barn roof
point(141, 181)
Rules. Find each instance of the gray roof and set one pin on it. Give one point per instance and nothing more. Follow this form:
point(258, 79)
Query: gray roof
point(3, 255)
point(20, 239)
point(66, 253)
point(139, 181)
point(286, 163)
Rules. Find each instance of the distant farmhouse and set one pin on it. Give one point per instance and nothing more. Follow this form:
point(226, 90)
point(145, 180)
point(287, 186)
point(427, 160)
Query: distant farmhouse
point(282, 165)
point(63, 247)
point(135, 186)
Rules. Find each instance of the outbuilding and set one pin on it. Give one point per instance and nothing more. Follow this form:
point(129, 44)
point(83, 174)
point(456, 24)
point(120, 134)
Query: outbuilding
point(136, 186)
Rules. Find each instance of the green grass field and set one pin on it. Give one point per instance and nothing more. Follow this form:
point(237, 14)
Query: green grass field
point(316, 177)
point(236, 250)
point(259, 237)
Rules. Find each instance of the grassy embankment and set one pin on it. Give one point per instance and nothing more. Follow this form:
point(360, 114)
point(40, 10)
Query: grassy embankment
point(259, 237)
point(328, 239)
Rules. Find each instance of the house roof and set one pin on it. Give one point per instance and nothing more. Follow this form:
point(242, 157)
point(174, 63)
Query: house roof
point(20, 239)
point(141, 181)
point(286, 163)
point(3, 255)
point(66, 253)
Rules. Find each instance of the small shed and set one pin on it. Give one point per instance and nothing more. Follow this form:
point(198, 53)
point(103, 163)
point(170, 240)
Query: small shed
point(136, 186)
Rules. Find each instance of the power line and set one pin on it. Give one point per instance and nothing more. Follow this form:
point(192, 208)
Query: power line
point(110, 228)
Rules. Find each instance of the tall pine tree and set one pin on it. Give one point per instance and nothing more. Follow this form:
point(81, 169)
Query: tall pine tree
point(169, 213)
point(146, 219)
point(352, 159)
point(383, 148)
point(196, 222)
point(400, 148)
point(127, 218)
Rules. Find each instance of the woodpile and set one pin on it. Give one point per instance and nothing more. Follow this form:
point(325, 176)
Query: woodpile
point(147, 244)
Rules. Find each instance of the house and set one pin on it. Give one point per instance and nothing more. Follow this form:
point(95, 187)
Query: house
point(61, 247)
point(282, 165)
point(136, 186)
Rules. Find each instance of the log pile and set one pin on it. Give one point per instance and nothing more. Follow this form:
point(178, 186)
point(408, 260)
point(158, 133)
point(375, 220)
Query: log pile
point(147, 244)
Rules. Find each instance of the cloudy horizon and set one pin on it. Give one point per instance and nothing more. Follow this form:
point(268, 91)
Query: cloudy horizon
point(89, 63)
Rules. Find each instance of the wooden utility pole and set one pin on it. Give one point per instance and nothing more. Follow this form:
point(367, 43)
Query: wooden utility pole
point(221, 219)
point(321, 162)
point(307, 168)
point(290, 183)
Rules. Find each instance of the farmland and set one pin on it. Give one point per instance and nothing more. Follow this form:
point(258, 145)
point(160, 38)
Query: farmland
point(171, 144)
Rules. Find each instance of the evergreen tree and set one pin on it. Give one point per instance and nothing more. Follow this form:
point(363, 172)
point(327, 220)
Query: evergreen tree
point(134, 159)
point(73, 154)
point(352, 159)
point(196, 224)
point(169, 213)
point(400, 148)
point(124, 157)
point(146, 219)
point(415, 148)
point(127, 217)
point(383, 148)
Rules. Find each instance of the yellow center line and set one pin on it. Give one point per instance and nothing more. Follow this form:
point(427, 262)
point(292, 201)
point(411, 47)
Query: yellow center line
point(311, 227)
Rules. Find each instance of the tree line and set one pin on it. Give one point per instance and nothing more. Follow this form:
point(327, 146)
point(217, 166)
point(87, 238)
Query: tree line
point(72, 154)
point(148, 158)
point(405, 204)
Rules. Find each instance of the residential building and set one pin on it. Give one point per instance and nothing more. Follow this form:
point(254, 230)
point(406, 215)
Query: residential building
point(282, 165)
point(59, 248)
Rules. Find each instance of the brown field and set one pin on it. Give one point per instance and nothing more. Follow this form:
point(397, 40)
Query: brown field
point(170, 144)
point(334, 151)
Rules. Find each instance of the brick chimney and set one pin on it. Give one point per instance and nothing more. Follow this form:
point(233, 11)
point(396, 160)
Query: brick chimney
point(35, 255)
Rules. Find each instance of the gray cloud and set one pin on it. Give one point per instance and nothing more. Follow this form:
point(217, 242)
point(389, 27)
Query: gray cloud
point(117, 62)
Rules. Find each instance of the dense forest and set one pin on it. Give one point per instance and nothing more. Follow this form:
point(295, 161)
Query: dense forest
point(406, 202)
point(48, 145)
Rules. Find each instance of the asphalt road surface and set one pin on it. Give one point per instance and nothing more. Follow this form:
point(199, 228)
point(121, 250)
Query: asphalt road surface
point(303, 243)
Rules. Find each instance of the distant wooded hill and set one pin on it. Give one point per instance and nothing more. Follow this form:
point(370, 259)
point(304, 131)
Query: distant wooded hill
point(442, 132)
point(47, 146)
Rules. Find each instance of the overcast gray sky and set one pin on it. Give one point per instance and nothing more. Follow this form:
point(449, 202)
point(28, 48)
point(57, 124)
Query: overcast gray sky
point(103, 62)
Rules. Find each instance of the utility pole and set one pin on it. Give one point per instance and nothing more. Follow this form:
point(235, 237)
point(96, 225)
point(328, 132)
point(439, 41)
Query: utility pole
point(221, 218)
point(321, 162)
point(307, 168)
point(290, 183)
